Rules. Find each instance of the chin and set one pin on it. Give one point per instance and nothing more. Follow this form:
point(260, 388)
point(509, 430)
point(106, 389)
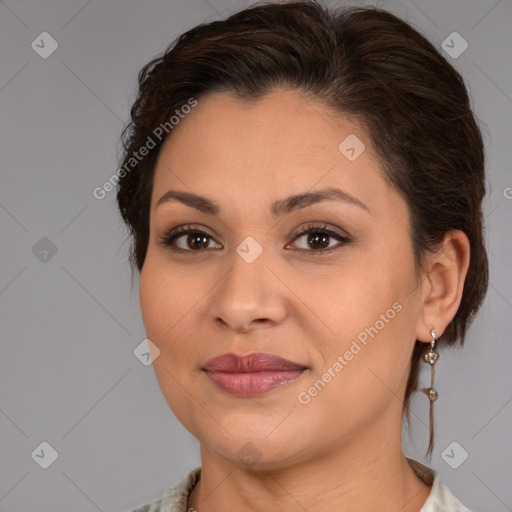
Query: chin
point(256, 453)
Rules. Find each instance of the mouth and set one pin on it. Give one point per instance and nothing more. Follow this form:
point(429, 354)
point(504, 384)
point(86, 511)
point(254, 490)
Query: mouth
point(252, 374)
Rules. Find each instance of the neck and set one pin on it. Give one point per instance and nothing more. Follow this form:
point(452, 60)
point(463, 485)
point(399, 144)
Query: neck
point(369, 473)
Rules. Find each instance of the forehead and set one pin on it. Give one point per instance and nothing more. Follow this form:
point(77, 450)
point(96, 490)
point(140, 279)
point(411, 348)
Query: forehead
point(280, 144)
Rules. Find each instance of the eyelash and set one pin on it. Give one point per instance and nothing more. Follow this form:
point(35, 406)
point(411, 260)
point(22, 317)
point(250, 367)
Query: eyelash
point(168, 239)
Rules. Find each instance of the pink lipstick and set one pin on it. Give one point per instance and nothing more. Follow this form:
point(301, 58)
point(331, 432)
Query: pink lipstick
point(251, 374)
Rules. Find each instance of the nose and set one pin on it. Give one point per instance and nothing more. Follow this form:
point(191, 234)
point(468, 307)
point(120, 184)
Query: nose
point(249, 295)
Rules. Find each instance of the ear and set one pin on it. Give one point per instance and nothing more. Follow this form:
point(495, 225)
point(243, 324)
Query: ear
point(443, 285)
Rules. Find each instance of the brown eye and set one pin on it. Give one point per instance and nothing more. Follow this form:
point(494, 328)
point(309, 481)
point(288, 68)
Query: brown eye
point(195, 240)
point(317, 239)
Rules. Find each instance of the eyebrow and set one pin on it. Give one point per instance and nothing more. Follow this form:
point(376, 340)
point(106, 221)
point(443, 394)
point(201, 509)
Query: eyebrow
point(278, 209)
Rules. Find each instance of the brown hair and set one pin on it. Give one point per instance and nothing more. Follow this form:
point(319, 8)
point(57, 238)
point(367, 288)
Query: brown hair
point(368, 65)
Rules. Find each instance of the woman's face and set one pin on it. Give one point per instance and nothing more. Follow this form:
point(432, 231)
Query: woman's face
point(348, 311)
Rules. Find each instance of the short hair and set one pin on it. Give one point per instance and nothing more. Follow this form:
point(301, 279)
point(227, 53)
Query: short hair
point(367, 65)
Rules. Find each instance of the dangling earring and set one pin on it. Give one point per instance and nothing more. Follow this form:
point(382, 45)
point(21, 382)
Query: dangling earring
point(431, 358)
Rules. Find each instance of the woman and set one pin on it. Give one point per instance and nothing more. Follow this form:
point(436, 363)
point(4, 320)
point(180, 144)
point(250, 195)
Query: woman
point(304, 191)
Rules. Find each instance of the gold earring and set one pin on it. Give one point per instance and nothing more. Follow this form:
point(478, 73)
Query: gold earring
point(431, 358)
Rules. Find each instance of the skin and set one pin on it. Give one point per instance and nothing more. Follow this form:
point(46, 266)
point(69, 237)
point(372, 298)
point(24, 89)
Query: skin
point(342, 450)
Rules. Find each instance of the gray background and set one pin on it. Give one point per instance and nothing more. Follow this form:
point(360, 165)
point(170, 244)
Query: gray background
point(70, 321)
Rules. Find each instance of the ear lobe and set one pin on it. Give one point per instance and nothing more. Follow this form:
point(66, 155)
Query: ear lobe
point(444, 285)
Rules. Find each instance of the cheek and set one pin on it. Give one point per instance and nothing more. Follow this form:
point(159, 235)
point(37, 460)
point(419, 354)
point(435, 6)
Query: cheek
point(169, 304)
point(364, 371)
point(162, 300)
point(347, 300)
point(369, 312)
point(163, 309)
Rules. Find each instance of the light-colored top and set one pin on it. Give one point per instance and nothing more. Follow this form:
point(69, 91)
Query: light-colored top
point(440, 498)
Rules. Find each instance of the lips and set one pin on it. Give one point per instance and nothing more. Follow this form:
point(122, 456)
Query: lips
point(252, 374)
point(257, 362)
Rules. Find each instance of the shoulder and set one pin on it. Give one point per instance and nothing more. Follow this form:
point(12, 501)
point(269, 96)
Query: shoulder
point(175, 497)
point(440, 499)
